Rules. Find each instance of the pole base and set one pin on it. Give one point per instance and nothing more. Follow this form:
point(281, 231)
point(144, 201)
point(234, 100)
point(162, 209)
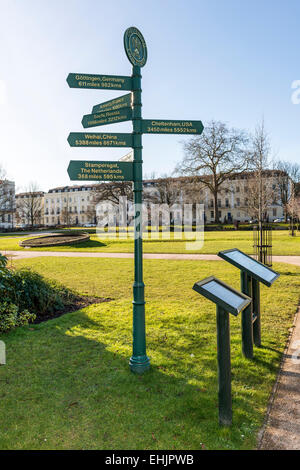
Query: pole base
point(139, 364)
point(225, 420)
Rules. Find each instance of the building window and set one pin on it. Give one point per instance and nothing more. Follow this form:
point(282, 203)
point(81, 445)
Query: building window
point(211, 203)
point(212, 214)
point(238, 202)
point(220, 214)
point(219, 202)
point(237, 189)
point(227, 202)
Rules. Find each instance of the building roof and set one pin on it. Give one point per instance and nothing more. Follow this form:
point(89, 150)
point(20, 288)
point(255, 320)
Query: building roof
point(29, 193)
point(64, 188)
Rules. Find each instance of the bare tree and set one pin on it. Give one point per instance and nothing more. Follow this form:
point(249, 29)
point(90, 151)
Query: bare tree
point(261, 193)
point(29, 205)
point(287, 176)
point(66, 215)
point(293, 209)
point(112, 191)
point(214, 156)
point(167, 190)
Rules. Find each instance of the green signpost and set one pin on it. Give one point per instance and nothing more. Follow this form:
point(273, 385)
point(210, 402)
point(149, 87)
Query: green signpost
point(111, 105)
point(159, 126)
point(107, 117)
point(124, 108)
point(95, 139)
point(100, 171)
point(103, 82)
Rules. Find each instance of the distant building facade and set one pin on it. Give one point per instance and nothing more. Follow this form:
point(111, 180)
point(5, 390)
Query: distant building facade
point(235, 201)
point(235, 198)
point(30, 209)
point(75, 205)
point(7, 204)
point(70, 205)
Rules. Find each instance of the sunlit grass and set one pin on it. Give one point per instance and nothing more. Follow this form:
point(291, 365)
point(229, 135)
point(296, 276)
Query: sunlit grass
point(283, 244)
point(67, 383)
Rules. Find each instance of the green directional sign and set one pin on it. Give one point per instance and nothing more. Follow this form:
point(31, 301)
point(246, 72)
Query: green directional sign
point(100, 171)
point(95, 139)
point(160, 126)
point(103, 82)
point(111, 105)
point(107, 117)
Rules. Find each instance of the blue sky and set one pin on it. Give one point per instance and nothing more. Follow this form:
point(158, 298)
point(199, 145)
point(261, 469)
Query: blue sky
point(229, 60)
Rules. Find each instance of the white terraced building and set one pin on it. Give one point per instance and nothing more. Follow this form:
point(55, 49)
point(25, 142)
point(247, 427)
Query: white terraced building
point(69, 205)
point(74, 205)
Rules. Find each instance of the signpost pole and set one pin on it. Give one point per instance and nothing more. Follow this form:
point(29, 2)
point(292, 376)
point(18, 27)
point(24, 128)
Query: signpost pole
point(224, 367)
point(256, 311)
point(139, 362)
point(247, 326)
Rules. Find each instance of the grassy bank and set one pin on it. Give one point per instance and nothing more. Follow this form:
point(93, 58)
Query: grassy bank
point(67, 383)
point(283, 244)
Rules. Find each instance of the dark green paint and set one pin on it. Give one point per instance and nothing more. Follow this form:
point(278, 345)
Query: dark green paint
point(223, 342)
point(135, 47)
point(224, 367)
point(163, 126)
point(100, 171)
point(245, 300)
point(99, 82)
point(111, 105)
point(250, 279)
point(107, 117)
point(242, 264)
point(256, 312)
point(124, 108)
point(97, 139)
point(247, 325)
point(139, 361)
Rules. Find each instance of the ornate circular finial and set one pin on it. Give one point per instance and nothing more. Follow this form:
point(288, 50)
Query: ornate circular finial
point(135, 47)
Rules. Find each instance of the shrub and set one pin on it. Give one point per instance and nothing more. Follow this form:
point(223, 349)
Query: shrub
point(10, 316)
point(27, 295)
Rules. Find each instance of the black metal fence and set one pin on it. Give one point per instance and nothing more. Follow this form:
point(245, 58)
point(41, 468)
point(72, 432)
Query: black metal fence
point(262, 243)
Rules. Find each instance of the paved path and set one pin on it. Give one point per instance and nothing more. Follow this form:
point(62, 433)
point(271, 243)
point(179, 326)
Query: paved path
point(282, 431)
point(177, 256)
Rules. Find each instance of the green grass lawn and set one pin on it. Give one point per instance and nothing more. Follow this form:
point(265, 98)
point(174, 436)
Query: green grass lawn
point(67, 384)
point(283, 244)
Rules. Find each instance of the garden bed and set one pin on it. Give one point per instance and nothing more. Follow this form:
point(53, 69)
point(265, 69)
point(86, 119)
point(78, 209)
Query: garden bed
point(57, 239)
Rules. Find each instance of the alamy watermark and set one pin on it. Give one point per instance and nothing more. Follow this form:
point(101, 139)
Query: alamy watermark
point(153, 222)
point(295, 97)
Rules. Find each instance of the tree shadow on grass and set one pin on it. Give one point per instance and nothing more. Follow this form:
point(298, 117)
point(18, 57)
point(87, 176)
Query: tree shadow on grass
point(64, 388)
